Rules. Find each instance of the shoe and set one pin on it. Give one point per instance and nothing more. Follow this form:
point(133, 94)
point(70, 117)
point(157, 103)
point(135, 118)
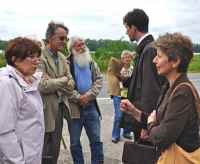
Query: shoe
point(128, 136)
point(115, 140)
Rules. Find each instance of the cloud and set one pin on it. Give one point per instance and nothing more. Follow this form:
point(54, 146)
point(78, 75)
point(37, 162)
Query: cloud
point(97, 19)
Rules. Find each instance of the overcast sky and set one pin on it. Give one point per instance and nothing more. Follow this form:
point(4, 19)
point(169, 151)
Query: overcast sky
point(97, 19)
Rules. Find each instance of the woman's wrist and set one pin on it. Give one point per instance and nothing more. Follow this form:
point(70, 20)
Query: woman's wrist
point(137, 114)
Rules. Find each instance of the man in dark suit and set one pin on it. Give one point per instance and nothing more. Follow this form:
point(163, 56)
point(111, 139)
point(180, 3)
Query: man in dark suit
point(144, 85)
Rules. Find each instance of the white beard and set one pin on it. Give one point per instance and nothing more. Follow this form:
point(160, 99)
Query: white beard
point(82, 59)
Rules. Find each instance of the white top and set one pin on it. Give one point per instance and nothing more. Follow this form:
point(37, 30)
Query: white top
point(21, 119)
point(140, 40)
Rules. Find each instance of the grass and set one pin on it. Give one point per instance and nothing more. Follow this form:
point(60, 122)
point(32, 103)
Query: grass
point(194, 66)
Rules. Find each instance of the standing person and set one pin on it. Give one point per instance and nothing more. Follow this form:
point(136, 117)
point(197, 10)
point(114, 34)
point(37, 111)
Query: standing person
point(54, 87)
point(145, 84)
point(113, 77)
point(174, 125)
point(118, 69)
point(126, 72)
point(85, 111)
point(21, 118)
point(127, 69)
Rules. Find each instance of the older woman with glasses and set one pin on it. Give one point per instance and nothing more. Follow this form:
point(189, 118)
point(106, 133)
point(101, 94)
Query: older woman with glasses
point(21, 119)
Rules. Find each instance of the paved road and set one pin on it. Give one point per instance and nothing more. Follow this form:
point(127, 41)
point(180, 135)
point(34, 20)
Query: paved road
point(195, 77)
point(113, 152)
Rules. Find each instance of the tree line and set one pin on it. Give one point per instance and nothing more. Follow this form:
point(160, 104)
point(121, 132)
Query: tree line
point(103, 49)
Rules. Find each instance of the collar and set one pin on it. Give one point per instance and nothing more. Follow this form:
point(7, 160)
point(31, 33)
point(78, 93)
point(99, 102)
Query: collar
point(52, 53)
point(142, 38)
point(182, 78)
point(25, 86)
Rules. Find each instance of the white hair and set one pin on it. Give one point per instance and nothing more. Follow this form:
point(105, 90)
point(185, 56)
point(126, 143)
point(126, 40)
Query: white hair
point(72, 41)
point(124, 52)
point(82, 59)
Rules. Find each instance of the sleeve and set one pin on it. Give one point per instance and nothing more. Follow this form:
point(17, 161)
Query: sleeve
point(69, 87)
point(144, 118)
point(97, 83)
point(150, 87)
point(175, 118)
point(50, 85)
point(9, 145)
point(126, 82)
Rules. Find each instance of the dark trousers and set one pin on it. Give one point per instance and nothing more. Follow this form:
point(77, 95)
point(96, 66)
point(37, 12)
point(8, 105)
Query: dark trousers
point(129, 123)
point(52, 140)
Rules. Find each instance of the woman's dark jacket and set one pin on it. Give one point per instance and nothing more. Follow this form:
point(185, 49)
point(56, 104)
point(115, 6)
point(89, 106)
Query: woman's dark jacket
point(177, 119)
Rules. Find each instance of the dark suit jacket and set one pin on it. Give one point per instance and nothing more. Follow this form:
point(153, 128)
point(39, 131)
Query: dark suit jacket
point(145, 84)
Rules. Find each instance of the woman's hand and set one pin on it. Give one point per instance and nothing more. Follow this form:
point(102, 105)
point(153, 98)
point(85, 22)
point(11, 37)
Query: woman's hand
point(152, 117)
point(126, 106)
point(129, 108)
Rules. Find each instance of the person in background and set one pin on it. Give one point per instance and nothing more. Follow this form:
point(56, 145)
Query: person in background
point(174, 125)
point(126, 71)
point(85, 110)
point(118, 69)
point(55, 87)
point(113, 77)
point(21, 108)
point(127, 58)
point(144, 85)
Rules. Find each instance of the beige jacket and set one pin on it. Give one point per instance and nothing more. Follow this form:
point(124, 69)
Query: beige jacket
point(55, 83)
point(113, 74)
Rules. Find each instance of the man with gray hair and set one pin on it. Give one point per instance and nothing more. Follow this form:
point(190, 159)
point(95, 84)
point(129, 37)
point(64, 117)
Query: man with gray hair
point(55, 87)
point(85, 111)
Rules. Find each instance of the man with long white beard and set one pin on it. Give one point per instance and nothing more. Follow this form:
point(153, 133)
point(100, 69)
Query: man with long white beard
point(84, 108)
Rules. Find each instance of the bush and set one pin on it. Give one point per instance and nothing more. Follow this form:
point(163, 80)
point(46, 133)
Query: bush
point(2, 60)
point(195, 64)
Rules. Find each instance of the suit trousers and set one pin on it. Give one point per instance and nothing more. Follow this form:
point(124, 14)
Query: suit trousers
point(52, 140)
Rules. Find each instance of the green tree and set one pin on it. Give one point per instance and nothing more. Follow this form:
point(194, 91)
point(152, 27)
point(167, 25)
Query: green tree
point(110, 48)
point(3, 44)
point(2, 60)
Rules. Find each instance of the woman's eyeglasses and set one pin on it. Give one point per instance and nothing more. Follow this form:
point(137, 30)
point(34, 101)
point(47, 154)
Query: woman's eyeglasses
point(33, 57)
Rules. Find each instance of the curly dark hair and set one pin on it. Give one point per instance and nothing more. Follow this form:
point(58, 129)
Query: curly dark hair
point(52, 26)
point(176, 45)
point(20, 48)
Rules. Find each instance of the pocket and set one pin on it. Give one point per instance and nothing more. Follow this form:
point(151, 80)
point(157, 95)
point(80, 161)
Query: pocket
point(11, 148)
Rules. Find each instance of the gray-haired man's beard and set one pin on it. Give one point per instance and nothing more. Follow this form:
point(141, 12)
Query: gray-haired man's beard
point(82, 59)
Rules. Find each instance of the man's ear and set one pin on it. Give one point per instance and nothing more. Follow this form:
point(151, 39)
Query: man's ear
point(133, 28)
point(13, 59)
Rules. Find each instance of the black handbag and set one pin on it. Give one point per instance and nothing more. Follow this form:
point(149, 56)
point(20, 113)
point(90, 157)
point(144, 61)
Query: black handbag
point(137, 153)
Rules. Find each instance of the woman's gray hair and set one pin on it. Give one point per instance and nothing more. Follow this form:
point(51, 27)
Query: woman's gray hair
point(72, 41)
point(127, 52)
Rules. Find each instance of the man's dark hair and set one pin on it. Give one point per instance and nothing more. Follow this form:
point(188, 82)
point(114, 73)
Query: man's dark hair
point(20, 48)
point(138, 18)
point(52, 26)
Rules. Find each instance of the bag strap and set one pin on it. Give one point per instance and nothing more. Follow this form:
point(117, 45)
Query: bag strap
point(194, 92)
